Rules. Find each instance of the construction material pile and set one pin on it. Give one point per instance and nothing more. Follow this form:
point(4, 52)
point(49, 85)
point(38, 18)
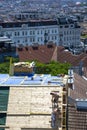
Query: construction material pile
point(24, 67)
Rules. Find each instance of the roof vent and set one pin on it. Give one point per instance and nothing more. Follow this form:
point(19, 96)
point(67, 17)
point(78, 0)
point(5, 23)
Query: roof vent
point(50, 44)
point(26, 47)
point(20, 47)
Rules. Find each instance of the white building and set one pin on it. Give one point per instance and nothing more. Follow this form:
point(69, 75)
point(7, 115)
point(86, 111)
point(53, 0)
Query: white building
point(62, 31)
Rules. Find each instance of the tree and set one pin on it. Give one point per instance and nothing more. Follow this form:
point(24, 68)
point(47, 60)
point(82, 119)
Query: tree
point(53, 68)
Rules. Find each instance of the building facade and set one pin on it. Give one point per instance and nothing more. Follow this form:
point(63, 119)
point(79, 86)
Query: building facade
point(41, 103)
point(62, 31)
point(37, 104)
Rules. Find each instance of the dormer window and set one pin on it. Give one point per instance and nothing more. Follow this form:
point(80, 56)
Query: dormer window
point(24, 25)
point(35, 46)
point(71, 25)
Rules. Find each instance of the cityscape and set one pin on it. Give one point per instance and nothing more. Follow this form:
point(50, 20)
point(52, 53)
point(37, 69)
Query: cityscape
point(43, 64)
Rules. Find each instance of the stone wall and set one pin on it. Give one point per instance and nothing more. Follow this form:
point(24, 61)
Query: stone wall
point(31, 107)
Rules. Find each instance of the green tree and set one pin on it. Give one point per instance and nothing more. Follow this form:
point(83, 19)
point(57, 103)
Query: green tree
point(53, 68)
point(4, 67)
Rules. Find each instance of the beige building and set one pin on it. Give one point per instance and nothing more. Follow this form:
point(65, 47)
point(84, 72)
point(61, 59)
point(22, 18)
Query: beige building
point(34, 103)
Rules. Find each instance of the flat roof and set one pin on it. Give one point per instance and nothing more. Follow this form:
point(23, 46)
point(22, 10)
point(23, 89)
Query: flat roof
point(37, 79)
point(5, 39)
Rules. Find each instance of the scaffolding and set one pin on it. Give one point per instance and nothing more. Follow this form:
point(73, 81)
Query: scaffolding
point(56, 114)
point(64, 108)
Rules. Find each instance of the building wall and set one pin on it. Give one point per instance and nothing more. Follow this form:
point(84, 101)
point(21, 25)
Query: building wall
point(59, 34)
point(69, 36)
point(31, 107)
point(28, 35)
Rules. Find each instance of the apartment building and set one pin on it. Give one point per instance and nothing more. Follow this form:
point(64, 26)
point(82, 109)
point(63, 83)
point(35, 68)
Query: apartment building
point(42, 101)
point(63, 31)
point(32, 103)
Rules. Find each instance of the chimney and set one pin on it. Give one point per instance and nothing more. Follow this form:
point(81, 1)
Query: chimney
point(70, 79)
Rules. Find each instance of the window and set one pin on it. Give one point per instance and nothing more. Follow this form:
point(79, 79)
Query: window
point(33, 32)
point(24, 25)
point(41, 32)
point(55, 37)
point(73, 31)
point(70, 32)
point(18, 41)
point(30, 39)
point(64, 32)
point(33, 39)
point(52, 31)
point(48, 38)
point(18, 33)
point(4, 93)
point(2, 128)
point(23, 33)
point(64, 38)
point(38, 39)
point(26, 40)
point(55, 31)
point(61, 26)
point(15, 33)
point(71, 25)
point(41, 39)
point(26, 33)
point(66, 26)
point(48, 31)
point(52, 37)
point(38, 32)
point(30, 32)
point(2, 119)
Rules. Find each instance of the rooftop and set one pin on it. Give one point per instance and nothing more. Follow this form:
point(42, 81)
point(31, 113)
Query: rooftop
point(57, 53)
point(37, 79)
point(5, 39)
point(39, 22)
point(80, 88)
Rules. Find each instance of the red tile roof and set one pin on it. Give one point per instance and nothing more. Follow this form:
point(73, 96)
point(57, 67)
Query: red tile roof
point(77, 119)
point(80, 88)
point(85, 71)
point(42, 54)
point(45, 55)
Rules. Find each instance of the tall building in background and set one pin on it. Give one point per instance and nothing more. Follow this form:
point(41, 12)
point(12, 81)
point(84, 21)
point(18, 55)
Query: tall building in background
point(63, 31)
